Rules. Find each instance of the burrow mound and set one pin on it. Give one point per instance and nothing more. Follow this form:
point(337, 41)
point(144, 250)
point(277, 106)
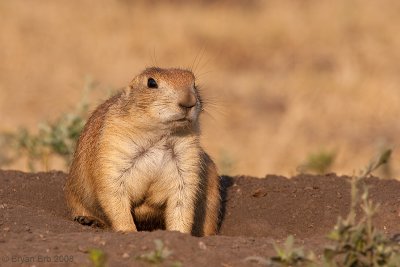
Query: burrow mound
point(256, 212)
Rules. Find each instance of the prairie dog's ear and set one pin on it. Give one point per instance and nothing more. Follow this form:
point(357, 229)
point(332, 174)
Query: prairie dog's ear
point(127, 90)
point(133, 84)
point(135, 80)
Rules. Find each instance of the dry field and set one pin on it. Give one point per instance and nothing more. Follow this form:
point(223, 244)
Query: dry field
point(284, 78)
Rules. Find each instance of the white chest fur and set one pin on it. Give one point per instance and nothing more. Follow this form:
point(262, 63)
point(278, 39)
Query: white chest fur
point(151, 170)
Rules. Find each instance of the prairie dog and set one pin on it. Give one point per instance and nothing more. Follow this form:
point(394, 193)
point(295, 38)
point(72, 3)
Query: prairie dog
point(139, 164)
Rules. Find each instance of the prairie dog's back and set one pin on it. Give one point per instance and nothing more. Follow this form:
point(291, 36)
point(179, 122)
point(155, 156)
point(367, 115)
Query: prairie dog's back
point(88, 141)
point(80, 183)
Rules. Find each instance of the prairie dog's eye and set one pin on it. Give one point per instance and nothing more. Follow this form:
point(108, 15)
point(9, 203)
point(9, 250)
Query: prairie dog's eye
point(151, 83)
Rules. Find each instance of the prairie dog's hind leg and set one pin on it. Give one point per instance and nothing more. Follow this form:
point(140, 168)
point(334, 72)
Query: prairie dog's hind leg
point(213, 198)
point(90, 221)
point(81, 214)
point(213, 206)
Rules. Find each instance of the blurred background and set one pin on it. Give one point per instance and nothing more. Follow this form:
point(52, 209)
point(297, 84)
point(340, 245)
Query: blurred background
point(292, 85)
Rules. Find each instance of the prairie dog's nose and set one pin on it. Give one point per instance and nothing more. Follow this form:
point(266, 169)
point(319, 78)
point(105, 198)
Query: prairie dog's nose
point(187, 99)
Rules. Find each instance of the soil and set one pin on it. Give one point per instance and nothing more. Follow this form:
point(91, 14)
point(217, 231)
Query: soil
point(35, 227)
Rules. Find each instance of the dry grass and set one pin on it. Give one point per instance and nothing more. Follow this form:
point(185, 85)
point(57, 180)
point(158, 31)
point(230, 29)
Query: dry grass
point(289, 77)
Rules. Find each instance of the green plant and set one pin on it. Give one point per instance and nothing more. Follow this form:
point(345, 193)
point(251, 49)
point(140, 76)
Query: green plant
point(97, 257)
point(355, 244)
point(288, 255)
point(360, 244)
point(386, 171)
point(158, 255)
point(53, 139)
point(319, 162)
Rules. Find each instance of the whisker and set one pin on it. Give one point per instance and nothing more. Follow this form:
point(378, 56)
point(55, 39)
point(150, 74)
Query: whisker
point(203, 74)
point(202, 51)
point(206, 63)
point(155, 57)
point(194, 62)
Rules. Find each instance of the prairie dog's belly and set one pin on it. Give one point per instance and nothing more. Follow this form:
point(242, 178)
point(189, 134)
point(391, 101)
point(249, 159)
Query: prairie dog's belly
point(152, 176)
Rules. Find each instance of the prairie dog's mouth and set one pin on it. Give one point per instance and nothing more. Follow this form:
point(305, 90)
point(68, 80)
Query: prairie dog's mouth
point(183, 119)
point(180, 123)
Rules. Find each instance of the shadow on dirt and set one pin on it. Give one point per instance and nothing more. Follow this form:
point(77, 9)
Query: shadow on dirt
point(225, 183)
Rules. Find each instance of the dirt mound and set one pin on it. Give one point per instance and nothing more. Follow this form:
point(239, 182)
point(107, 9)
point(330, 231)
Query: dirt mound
point(35, 227)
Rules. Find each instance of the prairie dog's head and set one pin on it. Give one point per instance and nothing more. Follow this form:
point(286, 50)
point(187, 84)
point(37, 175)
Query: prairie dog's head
point(167, 97)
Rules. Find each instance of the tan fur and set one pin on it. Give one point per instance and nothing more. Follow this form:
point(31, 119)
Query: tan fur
point(139, 159)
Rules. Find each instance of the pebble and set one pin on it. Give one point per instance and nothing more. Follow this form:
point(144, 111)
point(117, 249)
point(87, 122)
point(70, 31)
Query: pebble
point(125, 255)
point(82, 249)
point(260, 192)
point(202, 245)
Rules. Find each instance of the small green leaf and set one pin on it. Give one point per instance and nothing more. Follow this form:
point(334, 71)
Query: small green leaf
point(97, 257)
